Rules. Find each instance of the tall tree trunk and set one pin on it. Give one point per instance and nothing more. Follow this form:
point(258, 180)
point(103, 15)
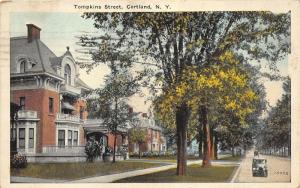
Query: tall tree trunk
point(139, 150)
point(115, 129)
point(200, 141)
point(289, 149)
point(216, 146)
point(181, 128)
point(151, 140)
point(114, 151)
point(232, 151)
point(212, 145)
point(206, 135)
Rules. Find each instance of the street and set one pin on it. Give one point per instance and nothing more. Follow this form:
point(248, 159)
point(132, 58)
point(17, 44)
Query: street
point(278, 169)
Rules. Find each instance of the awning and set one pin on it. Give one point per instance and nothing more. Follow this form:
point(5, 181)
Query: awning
point(66, 105)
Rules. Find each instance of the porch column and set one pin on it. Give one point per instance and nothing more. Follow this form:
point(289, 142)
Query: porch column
point(60, 103)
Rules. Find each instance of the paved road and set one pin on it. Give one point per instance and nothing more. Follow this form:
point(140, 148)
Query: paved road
point(278, 169)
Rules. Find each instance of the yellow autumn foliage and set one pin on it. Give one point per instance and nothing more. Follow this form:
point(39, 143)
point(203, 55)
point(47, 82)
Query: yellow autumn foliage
point(225, 85)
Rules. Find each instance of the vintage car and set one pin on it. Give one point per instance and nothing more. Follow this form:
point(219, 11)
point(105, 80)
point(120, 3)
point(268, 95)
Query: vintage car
point(259, 167)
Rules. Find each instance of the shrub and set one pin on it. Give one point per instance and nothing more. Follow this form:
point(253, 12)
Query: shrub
point(19, 161)
point(93, 149)
point(108, 151)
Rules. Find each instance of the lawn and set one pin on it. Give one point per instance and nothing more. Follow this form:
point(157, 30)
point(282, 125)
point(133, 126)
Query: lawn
point(71, 171)
point(195, 174)
point(231, 158)
point(170, 158)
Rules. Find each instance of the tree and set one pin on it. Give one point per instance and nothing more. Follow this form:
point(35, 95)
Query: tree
point(276, 133)
point(219, 87)
point(233, 132)
point(14, 108)
point(92, 150)
point(138, 135)
point(112, 101)
point(167, 43)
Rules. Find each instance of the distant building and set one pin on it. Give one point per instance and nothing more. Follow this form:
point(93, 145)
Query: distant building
point(155, 141)
point(193, 147)
point(52, 122)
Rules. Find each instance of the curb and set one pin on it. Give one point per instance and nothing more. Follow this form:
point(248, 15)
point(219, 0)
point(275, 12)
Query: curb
point(235, 175)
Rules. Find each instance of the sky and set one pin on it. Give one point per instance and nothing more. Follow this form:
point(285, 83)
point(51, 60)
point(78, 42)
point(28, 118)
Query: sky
point(59, 30)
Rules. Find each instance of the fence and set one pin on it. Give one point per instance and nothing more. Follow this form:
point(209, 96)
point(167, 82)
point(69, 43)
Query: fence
point(64, 149)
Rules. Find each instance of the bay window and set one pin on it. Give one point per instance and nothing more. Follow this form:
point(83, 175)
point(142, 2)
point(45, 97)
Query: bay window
point(22, 138)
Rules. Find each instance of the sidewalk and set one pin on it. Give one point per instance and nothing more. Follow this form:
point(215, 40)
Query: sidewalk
point(14, 179)
point(114, 177)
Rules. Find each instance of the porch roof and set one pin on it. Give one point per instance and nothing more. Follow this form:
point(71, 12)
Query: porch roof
point(97, 125)
point(66, 105)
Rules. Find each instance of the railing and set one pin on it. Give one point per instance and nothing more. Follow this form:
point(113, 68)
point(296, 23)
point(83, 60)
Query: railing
point(64, 149)
point(67, 117)
point(98, 122)
point(27, 114)
point(71, 89)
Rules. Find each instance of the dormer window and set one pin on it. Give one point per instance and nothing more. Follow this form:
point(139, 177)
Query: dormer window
point(68, 74)
point(25, 64)
point(22, 66)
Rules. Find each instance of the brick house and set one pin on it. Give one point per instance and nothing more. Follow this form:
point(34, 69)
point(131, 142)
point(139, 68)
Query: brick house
point(155, 141)
point(52, 122)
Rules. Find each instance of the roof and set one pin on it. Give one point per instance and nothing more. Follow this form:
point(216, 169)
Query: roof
point(35, 50)
point(46, 61)
point(97, 125)
point(56, 61)
point(80, 83)
point(66, 105)
point(148, 123)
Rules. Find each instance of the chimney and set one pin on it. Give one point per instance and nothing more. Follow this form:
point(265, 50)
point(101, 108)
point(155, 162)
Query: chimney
point(130, 110)
point(33, 32)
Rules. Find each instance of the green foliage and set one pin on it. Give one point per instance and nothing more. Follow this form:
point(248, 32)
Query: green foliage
point(110, 103)
point(193, 58)
point(93, 150)
point(14, 108)
point(18, 161)
point(277, 130)
point(164, 43)
point(137, 135)
point(226, 89)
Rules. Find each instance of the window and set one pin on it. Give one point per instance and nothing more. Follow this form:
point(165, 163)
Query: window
point(22, 66)
point(69, 138)
point(50, 105)
point(154, 134)
point(81, 112)
point(123, 139)
point(75, 141)
point(61, 138)
point(68, 74)
point(22, 138)
point(22, 103)
point(31, 138)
